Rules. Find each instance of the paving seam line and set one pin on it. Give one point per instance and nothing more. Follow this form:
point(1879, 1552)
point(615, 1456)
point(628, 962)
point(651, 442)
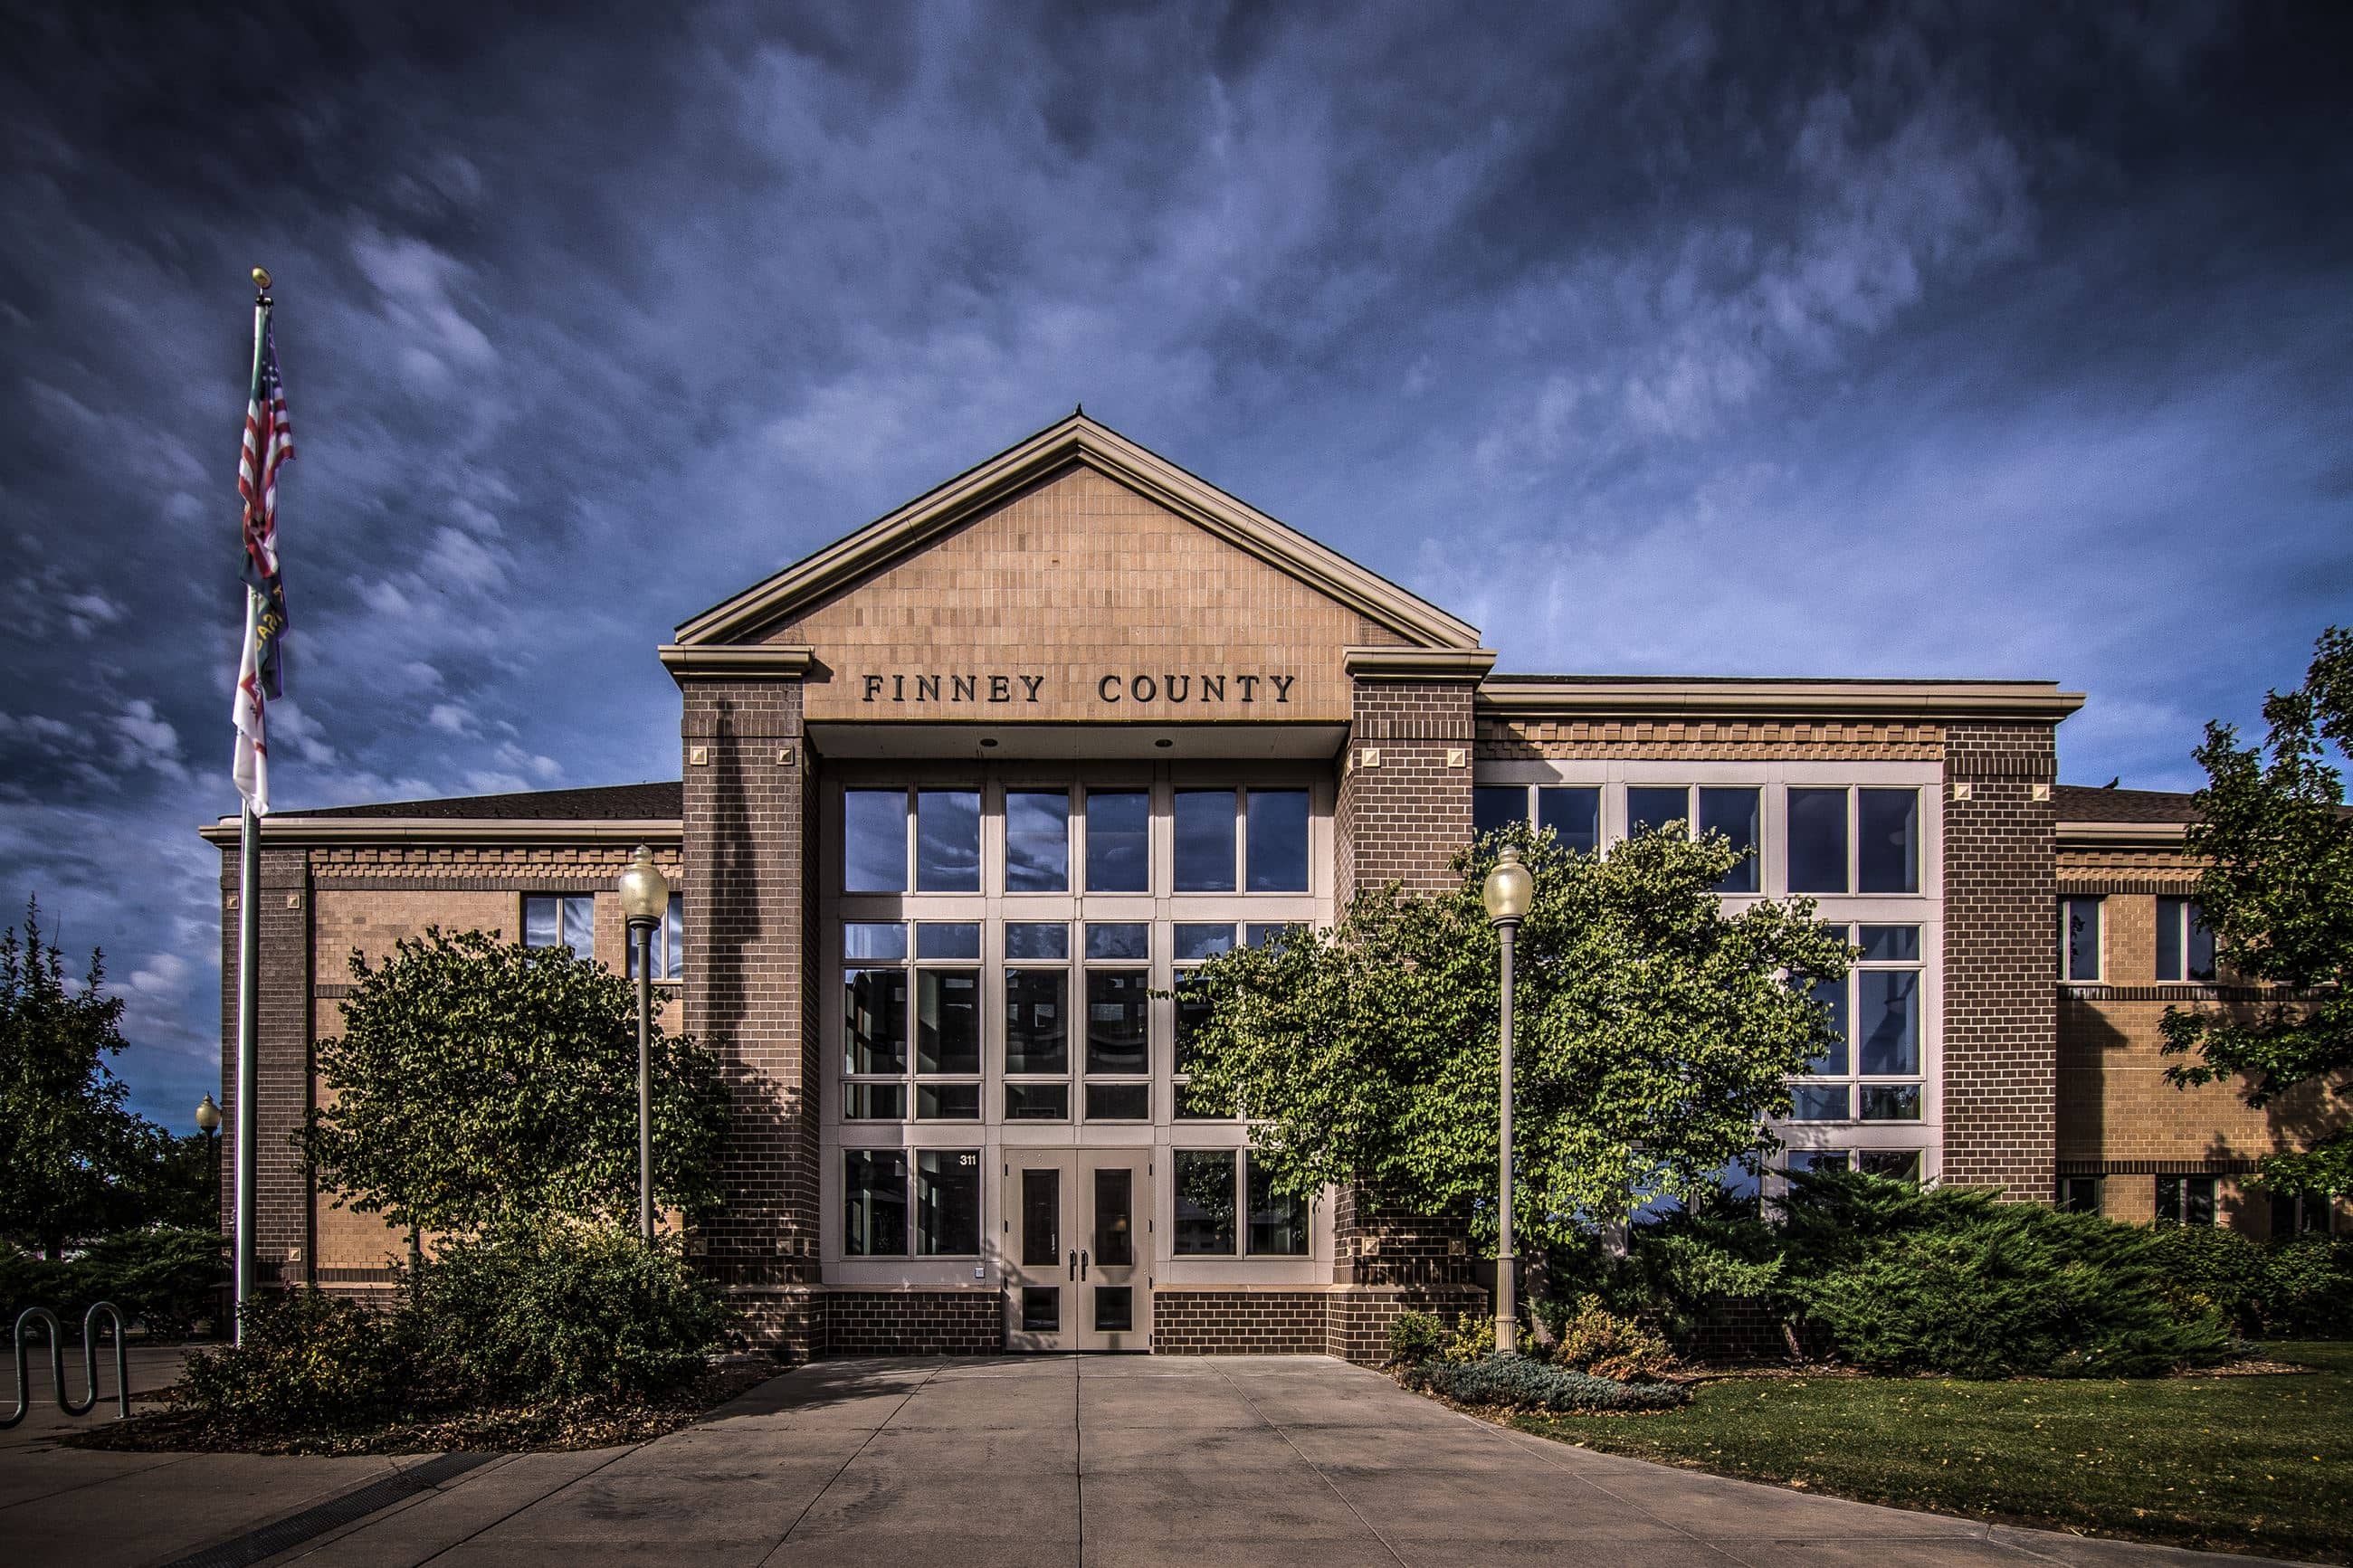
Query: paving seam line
point(356, 1503)
point(532, 1502)
point(1374, 1530)
point(844, 1466)
point(343, 1532)
point(163, 1464)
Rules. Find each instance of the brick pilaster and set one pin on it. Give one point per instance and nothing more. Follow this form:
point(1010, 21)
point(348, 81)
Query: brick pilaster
point(750, 993)
point(284, 1247)
point(2002, 1044)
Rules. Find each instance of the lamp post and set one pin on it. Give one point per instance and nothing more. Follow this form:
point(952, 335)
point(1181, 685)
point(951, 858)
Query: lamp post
point(645, 900)
point(1509, 890)
point(208, 1123)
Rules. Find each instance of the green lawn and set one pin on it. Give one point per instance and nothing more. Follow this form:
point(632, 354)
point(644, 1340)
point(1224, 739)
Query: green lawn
point(2247, 1464)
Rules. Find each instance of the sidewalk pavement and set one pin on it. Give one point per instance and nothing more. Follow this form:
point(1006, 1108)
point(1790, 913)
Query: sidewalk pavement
point(1295, 1461)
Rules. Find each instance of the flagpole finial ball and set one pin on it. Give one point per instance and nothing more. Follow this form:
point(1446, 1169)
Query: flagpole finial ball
point(261, 277)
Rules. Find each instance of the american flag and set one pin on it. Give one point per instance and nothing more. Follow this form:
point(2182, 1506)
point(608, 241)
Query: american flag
point(260, 676)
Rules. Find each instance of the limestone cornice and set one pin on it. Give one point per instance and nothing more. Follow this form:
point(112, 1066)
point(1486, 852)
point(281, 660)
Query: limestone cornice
point(754, 661)
point(1946, 701)
point(1419, 663)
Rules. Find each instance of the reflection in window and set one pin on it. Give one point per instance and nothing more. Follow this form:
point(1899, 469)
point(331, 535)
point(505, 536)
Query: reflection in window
point(1037, 841)
point(1898, 1164)
point(1806, 1160)
point(1037, 939)
point(1204, 1202)
point(948, 1202)
point(1037, 1102)
point(947, 1020)
point(1278, 840)
point(1119, 1102)
point(1204, 828)
point(874, 1020)
point(2185, 943)
point(1119, 939)
point(1115, 1216)
point(2185, 1200)
point(1887, 840)
point(1278, 1223)
point(947, 840)
point(1733, 812)
point(1832, 994)
point(875, 1203)
point(568, 922)
point(1887, 1013)
point(1574, 814)
point(947, 1102)
point(1891, 1101)
point(1817, 841)
point(2079, 939)
point(874, 840)
point(1119, 841)
point(1037, 1021)
point(1118, 1031)
point(948, 939)
point(1818, 1103)
point(1201, 941)
point(1890, 945)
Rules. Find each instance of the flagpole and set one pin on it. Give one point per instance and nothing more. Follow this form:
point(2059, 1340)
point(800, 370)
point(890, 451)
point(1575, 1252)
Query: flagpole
point(248, 939)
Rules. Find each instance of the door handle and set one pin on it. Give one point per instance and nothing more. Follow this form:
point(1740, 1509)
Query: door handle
point(1083, 1264)
point(1074, 1263)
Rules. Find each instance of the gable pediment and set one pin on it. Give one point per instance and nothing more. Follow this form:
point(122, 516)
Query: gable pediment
point(1076, 576)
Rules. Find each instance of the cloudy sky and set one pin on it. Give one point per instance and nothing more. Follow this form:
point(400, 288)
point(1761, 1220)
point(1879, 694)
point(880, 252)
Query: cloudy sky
point(1837, 339)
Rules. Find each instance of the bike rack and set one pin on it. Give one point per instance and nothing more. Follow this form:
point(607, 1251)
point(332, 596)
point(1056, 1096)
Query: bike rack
point(57, 1363)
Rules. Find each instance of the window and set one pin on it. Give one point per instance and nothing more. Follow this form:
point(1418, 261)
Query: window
point(1896, 1164)
point(1875, 1012)
point(2079, 1195)
point(1497, 805)
point(1887, 840)
point(2295, 1214)
point(1119, 1031)
point(1274, 1226)
point(1037, 1020)
point(876, 1207)
point(1278, 1223)
point(1572, 812)
point(1734, 814)
point(1119, 841)
point(1805, 1160)
point(2185, 1200)
point(2079, 939)
point(668, 943)
point(1205, 1203)
point(874, 840)
point(875, 1203)
point(1817, 861)
point(948, 1202)
point(568, 922)
point(1650, 806)
point(1195, 943)
point(939, 1033)
point(1037, 841)
point(2185, 947)
point(1278, 840)
point(1206, 840)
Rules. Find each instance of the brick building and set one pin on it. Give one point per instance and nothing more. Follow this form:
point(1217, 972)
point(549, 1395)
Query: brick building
point(963, 796)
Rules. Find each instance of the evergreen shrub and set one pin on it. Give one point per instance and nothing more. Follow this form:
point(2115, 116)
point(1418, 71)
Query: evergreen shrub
point(165, 1278)
point(1518, 1383)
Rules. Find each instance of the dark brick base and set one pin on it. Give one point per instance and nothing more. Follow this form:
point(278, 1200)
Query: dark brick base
point(1237, 1322)
point(914, 1322)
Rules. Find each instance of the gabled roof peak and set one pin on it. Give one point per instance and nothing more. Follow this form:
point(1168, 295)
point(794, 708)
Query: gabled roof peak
point(1074, 439)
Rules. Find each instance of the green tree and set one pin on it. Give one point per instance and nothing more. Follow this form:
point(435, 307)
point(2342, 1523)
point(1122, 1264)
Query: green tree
point(2277, 893)
point(75, 1160)
point(477, 1083)
point(1653, 1036)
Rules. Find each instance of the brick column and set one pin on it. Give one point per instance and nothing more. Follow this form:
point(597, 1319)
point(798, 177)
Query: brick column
point(2002, 1031)
point(749, 989)
point(284, 1247)
point(1402, 811)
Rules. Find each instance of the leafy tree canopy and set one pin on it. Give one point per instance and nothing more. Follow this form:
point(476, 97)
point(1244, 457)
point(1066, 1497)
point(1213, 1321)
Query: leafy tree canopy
point(75, 1161)
point(477, 1083)
point(1653, 1032)
point(2277, 893)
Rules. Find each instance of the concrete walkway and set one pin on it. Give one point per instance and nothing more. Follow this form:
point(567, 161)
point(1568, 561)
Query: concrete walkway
point(1295, 1461)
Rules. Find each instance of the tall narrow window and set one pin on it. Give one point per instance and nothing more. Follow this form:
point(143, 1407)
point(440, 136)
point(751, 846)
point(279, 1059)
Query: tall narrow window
point(2079, 939)
point(1278, 1222)
point(1195, 943)
point(668, 943)
point(874, 840)
point(1733, 812)
point(1572, 812)
point(1205, 1203)
point(1278, 840)
point(1817, 841)
point(947, 841)
point(1119, 841)
point(875, 1203)
point(948, 1202)
point(1037, 841)
point(1204, 832)
point(2185, 946)
point(1119, 1036)
point(1887, 840)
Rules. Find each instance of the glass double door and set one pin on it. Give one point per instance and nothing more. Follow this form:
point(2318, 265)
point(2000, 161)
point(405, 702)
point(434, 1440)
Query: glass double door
point(1078, 1250)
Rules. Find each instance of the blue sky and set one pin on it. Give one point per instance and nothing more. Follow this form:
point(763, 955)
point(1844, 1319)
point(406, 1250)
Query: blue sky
point(1833, 339)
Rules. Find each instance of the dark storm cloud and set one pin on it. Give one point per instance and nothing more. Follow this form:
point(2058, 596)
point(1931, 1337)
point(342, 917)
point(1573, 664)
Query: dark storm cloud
point(1839, 340)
